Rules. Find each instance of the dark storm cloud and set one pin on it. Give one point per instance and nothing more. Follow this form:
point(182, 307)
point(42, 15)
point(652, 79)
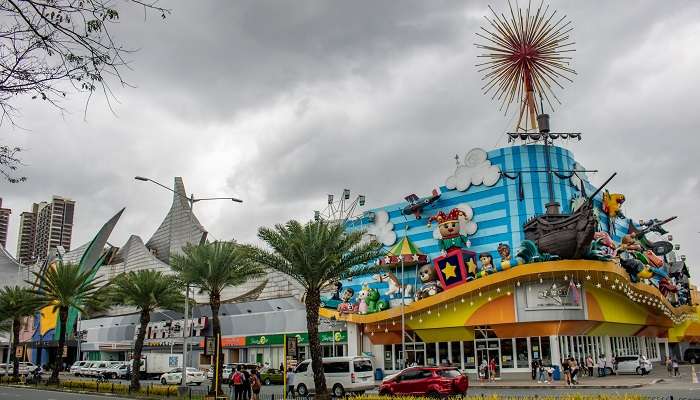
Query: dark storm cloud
point(281, 103)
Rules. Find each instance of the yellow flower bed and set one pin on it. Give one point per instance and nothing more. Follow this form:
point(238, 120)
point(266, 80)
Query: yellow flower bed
point(573, 396)
point(109, 387)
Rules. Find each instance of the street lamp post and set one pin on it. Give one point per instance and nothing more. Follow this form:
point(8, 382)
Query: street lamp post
point(190, 200)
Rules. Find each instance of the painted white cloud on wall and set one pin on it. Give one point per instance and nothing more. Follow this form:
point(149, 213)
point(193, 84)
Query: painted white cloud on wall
point(382, 229)
point(476, 170)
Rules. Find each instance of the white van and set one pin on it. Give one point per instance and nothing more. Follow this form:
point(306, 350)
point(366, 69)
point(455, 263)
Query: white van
point(639, 365)
point(343, 374)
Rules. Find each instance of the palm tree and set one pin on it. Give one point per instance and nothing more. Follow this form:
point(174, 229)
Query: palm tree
point(147, 290)
point(212, 267)
point(16, 303)
point(65, 286)
point(315, 254)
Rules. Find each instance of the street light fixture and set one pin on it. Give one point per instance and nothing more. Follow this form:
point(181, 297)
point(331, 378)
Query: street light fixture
point(191, 200)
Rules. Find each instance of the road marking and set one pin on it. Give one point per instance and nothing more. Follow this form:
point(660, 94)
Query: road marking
point(693, 374)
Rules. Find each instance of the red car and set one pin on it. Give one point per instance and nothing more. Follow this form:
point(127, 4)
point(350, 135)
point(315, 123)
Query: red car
point(426, 381)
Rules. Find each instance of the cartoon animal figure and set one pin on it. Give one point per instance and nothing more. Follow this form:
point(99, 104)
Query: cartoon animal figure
point(394, 284)
point(430, 285)
point(370, 301)
point(612, 203)
point(448, 225)
point(346, 307)
point(527, 253)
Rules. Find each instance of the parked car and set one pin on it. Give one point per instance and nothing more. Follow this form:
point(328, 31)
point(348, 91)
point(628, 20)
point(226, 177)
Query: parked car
point(639, 365)
point(75, 368)
point(97, 368)
point(84, 370)
point(26, 368)
point(272, 376)
point(426, 381)
point(343, 374)
point(120, 370)
point(174, 377)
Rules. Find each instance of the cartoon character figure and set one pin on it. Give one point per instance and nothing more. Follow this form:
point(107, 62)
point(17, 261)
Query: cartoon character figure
point(430, 285)
point(504, 251)
point(346, 307)
point(602, 247)
point(640, 264)
point(487, 267)
point(336, 294)
point(369, 301)
point(448, 225)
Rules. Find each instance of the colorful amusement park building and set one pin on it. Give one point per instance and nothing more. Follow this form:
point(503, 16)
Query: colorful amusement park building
point(519, 258)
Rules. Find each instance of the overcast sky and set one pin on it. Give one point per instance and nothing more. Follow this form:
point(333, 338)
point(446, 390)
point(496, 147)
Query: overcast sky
point(280, 103)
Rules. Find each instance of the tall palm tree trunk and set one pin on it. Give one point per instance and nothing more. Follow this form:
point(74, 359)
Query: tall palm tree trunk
point(215, 304)
point(13, 349)
point(63, 315)
point(138, 349)
point(313, 303)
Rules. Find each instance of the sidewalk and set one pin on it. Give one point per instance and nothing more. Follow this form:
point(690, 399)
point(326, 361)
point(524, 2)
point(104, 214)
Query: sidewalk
point(524, 381)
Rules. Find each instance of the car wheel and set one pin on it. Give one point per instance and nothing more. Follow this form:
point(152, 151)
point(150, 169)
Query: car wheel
point(114, 376)
point(302, 390)
point(434, 395)
point(338, 390)
point(385, 392)
point(163, 381)
point(640, 371)
point(693, 359)
point(267, 382)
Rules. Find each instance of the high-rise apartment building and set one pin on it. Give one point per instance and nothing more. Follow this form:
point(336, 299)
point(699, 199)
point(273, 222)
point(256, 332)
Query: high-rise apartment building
point(47, 226)
point(4, 222)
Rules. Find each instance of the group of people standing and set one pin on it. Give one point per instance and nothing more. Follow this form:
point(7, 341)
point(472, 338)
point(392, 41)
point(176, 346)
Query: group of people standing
point(671, 366)
point(488, 369)
point(245, 384)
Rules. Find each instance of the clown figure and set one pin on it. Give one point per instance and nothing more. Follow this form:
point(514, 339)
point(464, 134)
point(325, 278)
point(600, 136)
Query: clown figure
point(448, 225)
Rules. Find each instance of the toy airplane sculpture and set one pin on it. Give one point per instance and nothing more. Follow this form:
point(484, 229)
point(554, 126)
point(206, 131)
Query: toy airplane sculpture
point(417, 204)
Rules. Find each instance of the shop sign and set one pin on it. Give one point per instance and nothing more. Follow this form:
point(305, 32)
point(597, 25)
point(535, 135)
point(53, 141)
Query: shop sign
point(173, 328)
point(19, 352)
point(557, 295)
point(302, 338)
point(292, 347)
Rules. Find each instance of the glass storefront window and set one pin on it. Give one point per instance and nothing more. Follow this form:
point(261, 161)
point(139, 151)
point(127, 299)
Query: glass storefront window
point(545, 350)
point(521, 352)
point(443, 355)
point(431, 356)
point(387, 356)
point(397, 357)
point(469, 356)
point(456, 349)
point(507, 353)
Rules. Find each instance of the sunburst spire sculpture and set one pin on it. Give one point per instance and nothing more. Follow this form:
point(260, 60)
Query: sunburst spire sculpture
point(526, 58)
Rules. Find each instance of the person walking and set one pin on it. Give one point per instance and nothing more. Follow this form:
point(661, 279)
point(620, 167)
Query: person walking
point(567, 371)
point(541, 370)
point(675, 367)
point(246, 384)
point(492, 369)
point(290, 382)
point(573, 366)
point(669, 365)
point(255, 384)
point(589, 365)
point(236, 380)
point(601, 365)
point(533, 369)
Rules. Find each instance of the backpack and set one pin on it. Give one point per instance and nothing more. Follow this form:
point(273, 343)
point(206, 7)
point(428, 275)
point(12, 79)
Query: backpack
point(255, 382)
point(237, 378)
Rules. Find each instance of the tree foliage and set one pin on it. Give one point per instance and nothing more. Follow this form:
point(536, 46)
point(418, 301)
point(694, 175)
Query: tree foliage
point(15, 304)
point(147, 290)
point(65, 286)
point(315, 254)
point(211, 268)
point(48, 47)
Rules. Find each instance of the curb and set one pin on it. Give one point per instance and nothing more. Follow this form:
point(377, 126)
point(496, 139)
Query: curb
point(562, 387)
point(47, 389)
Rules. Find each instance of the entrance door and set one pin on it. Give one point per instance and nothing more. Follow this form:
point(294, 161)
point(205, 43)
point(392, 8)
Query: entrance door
point(486, 350)
point(415, 354)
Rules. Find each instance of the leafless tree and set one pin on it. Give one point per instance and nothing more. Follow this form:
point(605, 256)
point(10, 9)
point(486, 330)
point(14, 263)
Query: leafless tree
point(49, 46)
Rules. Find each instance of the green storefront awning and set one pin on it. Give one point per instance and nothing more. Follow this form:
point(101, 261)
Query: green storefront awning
point(302, 338)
